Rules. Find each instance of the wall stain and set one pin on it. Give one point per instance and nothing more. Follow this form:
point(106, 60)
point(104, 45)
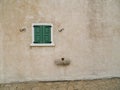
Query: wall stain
point(95, 16)
point(116, 31)
point(100, 84)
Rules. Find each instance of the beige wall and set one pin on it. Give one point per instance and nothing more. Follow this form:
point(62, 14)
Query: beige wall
point(91, 39)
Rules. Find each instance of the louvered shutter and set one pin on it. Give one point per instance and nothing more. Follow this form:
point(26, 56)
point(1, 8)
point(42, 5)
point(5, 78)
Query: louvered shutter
point(38, 34)
point(47, 34)
point(42, 34)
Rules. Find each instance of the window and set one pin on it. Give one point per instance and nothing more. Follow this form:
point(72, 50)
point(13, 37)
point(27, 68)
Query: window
point(42, 34)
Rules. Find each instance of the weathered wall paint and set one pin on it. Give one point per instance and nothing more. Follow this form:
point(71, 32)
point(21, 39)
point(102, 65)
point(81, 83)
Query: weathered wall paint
point(104, 84)
point(91, 39)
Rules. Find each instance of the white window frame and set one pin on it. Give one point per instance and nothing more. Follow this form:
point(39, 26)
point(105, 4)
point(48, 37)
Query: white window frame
point(34, 44)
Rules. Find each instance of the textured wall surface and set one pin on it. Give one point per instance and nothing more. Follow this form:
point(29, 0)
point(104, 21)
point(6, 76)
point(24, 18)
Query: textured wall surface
point(105, 84)
point(90, 39)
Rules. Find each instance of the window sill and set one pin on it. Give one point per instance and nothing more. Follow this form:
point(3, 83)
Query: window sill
point(46, 45)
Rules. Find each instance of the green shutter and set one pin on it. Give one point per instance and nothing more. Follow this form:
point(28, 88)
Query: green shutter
point(42, 34)
point(38, 34)
point(47, 34)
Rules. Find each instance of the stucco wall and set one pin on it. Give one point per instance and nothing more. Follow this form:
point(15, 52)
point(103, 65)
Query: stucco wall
point(90, 39)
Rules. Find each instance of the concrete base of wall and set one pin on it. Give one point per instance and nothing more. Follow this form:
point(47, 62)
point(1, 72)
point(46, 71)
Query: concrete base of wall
point(101, 84)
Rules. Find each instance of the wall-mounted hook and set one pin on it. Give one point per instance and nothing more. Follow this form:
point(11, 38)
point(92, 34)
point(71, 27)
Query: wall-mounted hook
point(22, 29)
point(60, 30)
